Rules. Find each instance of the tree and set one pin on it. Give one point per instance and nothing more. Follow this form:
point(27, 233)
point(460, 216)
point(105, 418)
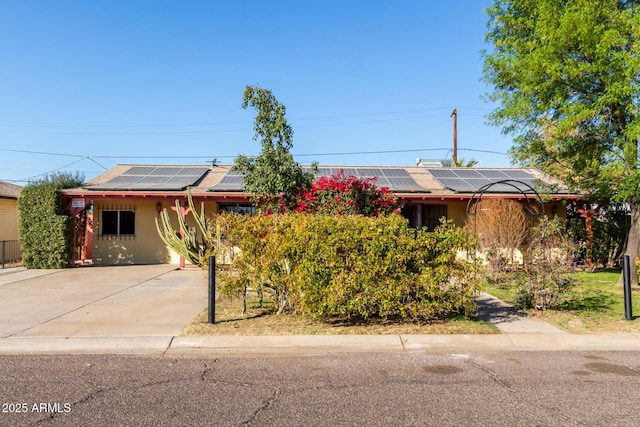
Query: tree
point(462, 163)
point(45, 223)
point(566, 76)
point(346, 195)
point(273, 178)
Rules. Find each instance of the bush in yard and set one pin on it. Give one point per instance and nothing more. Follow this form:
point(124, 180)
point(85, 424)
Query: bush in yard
point(45, 223)
point(549, 256)
point(502, 226)
point(340, 194)
point(354, 267)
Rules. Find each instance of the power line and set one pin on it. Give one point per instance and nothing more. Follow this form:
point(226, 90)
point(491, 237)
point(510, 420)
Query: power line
point(344, 153)
point(40, 152)
point(414, 115)
point(143, 125)
point(370, 152)
point(31, 178)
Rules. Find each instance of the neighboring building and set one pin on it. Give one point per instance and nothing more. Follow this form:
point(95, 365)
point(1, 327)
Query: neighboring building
point(10, 254)
point(121, 204)
point(9, 211)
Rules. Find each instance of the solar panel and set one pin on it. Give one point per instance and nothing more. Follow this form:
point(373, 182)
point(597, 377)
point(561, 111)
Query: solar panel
point(169, 178)
point(397, 180)
point(464, 180)
point(232, 181)
point(442, 173)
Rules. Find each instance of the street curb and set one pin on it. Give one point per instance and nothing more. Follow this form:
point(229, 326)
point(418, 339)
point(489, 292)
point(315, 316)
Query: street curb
point(85, 345)
point(308, 344)
point(523, 342)
point(319, 344)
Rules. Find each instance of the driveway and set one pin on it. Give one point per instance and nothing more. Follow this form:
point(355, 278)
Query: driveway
point(123, 301)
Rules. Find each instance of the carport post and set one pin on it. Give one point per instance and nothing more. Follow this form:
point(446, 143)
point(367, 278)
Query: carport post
point(626, 276)
point(212, 289)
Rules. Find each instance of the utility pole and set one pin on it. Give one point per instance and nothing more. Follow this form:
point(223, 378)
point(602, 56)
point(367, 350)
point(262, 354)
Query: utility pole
point(454, 114)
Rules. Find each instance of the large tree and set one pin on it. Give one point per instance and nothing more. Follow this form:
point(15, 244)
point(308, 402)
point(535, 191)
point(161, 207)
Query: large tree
point(566, 77)
point(273, 178)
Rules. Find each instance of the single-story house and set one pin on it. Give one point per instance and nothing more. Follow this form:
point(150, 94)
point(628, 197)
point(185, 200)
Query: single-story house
point(119, 206)
point(9, 211)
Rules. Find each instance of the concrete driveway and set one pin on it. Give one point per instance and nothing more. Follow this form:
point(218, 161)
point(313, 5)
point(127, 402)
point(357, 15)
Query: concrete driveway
point(141, 300)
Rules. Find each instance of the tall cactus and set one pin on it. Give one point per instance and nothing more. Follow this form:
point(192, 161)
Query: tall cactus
point(186, 243)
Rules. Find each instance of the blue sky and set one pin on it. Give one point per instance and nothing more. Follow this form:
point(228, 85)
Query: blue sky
point(85, 85)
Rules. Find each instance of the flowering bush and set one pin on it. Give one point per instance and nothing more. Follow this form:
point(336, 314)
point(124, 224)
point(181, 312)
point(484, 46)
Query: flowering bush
point(339, 194)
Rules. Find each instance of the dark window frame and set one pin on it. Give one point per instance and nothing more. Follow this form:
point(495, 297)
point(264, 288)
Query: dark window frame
point(118, 222)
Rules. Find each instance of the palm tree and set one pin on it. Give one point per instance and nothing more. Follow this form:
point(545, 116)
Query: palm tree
point(460, 163)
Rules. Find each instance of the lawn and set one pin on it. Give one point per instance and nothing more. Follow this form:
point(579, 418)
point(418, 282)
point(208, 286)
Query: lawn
point(262, 321)
point(594, 304)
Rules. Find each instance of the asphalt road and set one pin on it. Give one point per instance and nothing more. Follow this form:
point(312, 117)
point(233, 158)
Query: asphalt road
point(499, 389)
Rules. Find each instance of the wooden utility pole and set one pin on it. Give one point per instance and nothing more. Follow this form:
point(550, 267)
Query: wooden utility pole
point(454, 114)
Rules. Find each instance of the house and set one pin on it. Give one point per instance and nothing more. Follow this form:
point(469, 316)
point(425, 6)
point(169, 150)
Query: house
point(118, 207)
point(9, 211)
point(9, 236)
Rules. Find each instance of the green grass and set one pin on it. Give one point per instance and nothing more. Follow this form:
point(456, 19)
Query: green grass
point(594, 304)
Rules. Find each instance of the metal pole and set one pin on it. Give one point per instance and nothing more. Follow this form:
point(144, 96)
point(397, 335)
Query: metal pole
point(626, 275)
point(212, 289)
point(3, 252)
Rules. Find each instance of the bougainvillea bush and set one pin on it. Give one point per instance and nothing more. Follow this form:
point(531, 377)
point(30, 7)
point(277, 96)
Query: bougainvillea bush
point(341, 194)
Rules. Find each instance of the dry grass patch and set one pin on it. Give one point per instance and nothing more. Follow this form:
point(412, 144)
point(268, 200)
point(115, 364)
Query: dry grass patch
point(262, 321)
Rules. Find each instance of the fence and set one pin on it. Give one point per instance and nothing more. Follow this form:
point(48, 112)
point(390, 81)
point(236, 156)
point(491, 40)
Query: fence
point(10, 253)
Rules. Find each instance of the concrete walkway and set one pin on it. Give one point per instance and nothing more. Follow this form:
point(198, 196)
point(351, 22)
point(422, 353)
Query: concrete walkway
point(510, 320)
point(141, 309)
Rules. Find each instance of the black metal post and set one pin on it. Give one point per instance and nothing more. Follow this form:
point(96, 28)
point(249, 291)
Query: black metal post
point(212, 289)
point(3, 252)
point(626, 275)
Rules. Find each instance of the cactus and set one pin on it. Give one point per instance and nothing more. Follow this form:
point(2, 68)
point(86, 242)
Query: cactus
point(187, 244)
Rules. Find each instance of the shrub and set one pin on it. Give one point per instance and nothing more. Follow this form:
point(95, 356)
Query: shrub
point(339, 194)
point(548, 257)
point(45, 225)
point(354, 267)
point(502, 225)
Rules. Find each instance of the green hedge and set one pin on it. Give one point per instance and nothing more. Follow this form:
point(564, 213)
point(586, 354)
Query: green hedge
point(45, 227)
point(354, 267)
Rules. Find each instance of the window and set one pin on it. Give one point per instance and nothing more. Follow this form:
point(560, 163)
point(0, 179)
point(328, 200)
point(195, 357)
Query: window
point(240, 208)
point(118, 223)
point(431, 215)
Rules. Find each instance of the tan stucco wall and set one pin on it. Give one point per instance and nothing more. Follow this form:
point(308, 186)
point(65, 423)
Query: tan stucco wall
point(145, 247)
point(457, 210)
point(8, 219)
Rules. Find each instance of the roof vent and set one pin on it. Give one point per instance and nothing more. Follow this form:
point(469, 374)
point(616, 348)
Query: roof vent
point(434, 163)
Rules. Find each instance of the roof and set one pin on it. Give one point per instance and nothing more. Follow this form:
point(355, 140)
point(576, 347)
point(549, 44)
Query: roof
point(220, 181)
point(9, 191)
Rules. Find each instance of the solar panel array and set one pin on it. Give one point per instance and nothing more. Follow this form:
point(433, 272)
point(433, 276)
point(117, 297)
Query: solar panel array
point(396, 179)
point(167, 178)
point(467, 180)
point(232, 181)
